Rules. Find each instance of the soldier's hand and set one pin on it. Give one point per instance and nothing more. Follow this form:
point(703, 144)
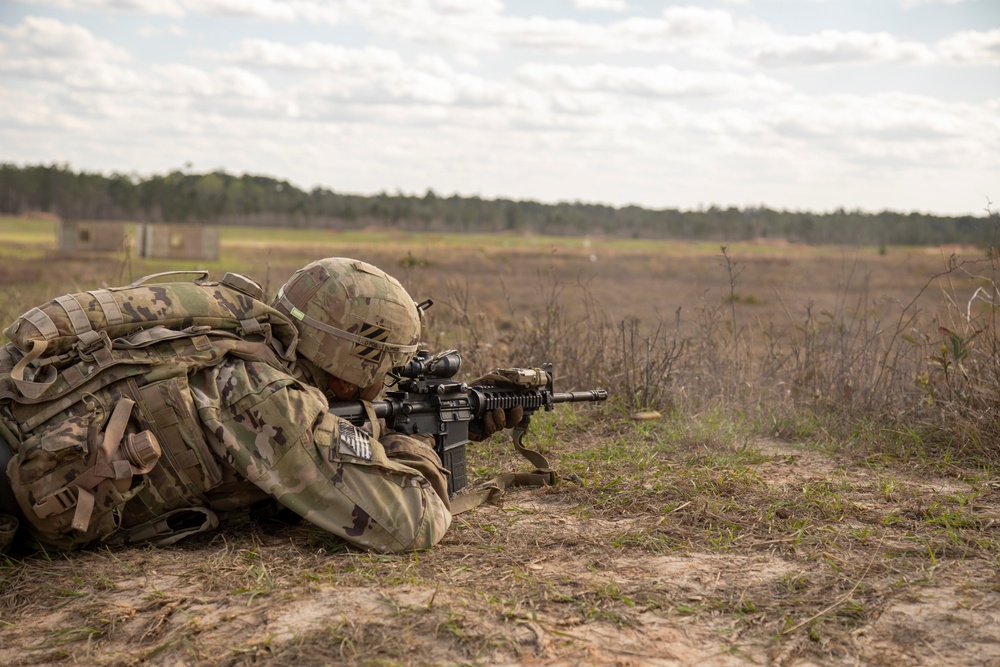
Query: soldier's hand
point(495, 420)
point(499, 419)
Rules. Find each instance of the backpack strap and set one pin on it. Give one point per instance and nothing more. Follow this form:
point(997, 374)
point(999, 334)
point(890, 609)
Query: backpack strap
point(141, 453)
point(32, 388)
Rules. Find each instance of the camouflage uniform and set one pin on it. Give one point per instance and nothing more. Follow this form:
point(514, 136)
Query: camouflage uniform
point(275, 432)
point(144, 429)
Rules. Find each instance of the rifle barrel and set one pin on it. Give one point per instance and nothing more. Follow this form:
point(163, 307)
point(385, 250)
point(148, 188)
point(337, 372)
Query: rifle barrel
point(580, 396)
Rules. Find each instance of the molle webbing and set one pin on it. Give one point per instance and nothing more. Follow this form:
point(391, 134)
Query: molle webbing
point(46, 327)
point(70, 321)
point(89, 325)
point(76, 316)
point(78, 319)
point(129, 356)
point(185, 455)
point(112, 313)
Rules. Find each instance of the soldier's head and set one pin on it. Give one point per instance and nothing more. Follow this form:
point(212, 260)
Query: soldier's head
point(355, 323)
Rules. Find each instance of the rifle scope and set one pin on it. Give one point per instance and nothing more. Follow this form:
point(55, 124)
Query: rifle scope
point(444, 365)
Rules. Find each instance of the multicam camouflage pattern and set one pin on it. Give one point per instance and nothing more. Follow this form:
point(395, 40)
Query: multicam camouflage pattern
point(119, 311)
point(357, 298)
point(234, 427)
point(276, 433)
point(51, 459)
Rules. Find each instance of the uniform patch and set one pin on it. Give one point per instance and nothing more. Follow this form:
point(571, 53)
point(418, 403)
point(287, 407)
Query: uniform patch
point(375, 333)
point(354, 442)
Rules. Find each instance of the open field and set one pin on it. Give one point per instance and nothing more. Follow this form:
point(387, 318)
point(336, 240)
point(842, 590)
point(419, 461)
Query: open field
point(821, 488)
point(512, 275)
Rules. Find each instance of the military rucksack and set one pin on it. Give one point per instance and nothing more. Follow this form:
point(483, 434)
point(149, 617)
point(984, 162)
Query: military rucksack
point(100, 427)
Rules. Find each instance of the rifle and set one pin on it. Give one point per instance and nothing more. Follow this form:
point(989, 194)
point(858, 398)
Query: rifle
point(427, 401)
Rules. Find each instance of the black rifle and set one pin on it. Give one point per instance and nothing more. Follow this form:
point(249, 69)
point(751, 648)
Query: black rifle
point(427, 401)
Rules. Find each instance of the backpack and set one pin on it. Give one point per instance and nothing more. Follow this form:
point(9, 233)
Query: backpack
point(103, 435)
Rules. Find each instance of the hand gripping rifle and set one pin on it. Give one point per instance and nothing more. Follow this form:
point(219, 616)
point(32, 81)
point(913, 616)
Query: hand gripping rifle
point(427, 401)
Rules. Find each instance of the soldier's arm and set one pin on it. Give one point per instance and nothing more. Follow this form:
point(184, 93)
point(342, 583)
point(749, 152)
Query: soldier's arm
point(277, 434)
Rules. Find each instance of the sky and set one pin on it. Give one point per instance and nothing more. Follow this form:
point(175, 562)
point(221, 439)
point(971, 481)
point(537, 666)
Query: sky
point(791, 104)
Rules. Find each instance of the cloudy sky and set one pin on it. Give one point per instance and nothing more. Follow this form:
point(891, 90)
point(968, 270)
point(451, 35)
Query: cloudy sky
point(792, 104)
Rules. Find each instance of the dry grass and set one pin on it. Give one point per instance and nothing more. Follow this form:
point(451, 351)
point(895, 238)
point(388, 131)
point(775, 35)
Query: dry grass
point(820, 489)
point(683, 548)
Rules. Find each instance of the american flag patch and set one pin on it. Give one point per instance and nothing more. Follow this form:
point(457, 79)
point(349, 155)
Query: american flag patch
point(372, 332)
point(354, 442)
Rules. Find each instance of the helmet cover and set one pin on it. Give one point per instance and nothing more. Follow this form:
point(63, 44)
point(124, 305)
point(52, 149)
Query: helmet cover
point(355, 321)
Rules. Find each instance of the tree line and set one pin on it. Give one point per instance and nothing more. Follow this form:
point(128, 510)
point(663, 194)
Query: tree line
point(224, 199)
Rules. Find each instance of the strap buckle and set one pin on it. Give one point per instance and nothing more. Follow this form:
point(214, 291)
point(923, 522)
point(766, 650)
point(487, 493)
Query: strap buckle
point(90, 345)
point(56, 502)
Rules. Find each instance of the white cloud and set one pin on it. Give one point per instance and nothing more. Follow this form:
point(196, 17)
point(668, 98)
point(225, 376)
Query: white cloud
point(466, 60)
point(412, 89)
point(150, 31)
point(225, 82)
point(971, 47)
point(884, 116)
point(156, 7)
point(46, 38)
point(177, 79)
point(601, 5)
point(267, 10)
point(677, 28)
point(697, 22)
point(624, 117)
point(662, 81)
point(368, 75)
point(910, 4)
point(57, 53)
point(30, 110)
point(473, 7)
point(309, 56)
point(105, 77)
point(234, 81)
point(832, 47)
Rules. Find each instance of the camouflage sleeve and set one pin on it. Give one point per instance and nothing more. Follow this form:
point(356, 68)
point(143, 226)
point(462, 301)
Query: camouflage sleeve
point(277, 433)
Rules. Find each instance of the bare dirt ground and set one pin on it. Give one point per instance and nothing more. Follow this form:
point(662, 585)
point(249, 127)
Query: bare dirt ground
point(762, 553)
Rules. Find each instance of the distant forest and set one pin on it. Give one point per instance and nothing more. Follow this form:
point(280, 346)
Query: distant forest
point(224, 199)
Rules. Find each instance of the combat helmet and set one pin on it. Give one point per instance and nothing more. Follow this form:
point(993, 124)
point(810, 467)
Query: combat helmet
point(355, 321)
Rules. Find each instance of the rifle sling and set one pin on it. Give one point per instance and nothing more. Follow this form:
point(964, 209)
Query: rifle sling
point(535, 458)
point(492, 490)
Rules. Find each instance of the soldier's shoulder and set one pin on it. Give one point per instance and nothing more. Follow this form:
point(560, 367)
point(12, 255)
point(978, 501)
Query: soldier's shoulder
point(242, 380)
